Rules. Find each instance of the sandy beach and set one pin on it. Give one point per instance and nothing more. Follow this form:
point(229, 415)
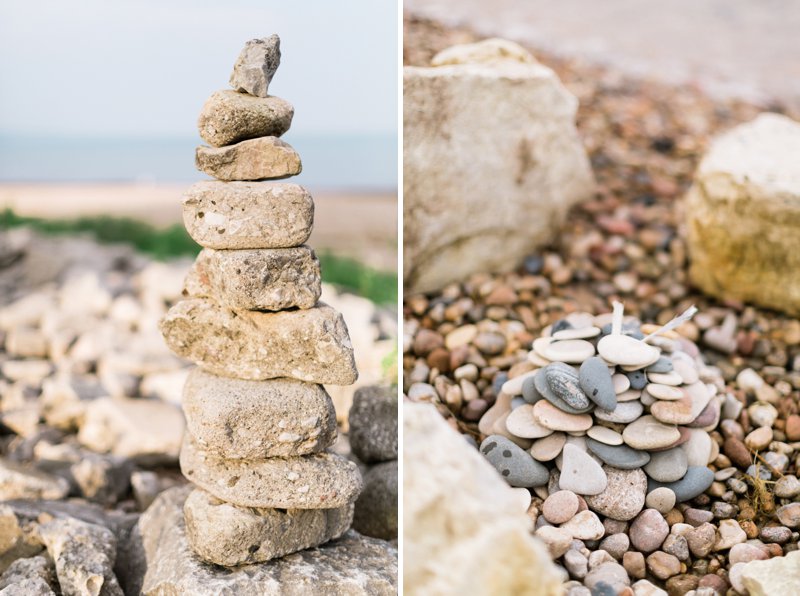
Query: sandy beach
point(357, 224)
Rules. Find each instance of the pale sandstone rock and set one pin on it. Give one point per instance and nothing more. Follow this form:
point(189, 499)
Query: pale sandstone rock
point(351, 566)
point(26, 576)
point(779, 575)
point(494, 137)
point(229, 117)
point(235, 215)
point(133, 427)
point(318, 481)
point(489, 51)
point(467, 541)
point(239, 419)
point(224, 534)
point(255, 159)
point(309, 345)
point(256, 65)
point(19, 482)
point(743, 212)
point(257, 279)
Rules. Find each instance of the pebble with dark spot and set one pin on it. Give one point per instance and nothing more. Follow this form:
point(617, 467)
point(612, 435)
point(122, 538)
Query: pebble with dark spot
point(512, 463)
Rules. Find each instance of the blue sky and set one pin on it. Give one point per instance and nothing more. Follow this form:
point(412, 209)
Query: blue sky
point(145, 67)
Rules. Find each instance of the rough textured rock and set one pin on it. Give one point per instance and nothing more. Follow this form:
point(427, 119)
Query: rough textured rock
point(236, 215)
point(478, 535)
point(376, 507)
point(19, 482)
point(228, 535)
point(310, 345)
point(779, 575)
point(145, 429)
point(257, 279)
point(255, 159)
point(236, 419)
point(351, 566)
point(84, 556)
point(30, 576)
point(373, 424)
point(256, 65)
point(743, 214)
point(495, 137)
point(319, 481)
point(229, 117)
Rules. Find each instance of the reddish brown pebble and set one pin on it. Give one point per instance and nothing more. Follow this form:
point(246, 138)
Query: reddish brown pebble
point(793, 427)
point(738, 452)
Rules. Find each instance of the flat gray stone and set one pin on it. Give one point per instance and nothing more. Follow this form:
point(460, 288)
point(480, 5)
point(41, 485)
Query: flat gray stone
point(595, 380)
point(667, 466)
point(377, 505)
point(625, 412)
point(238, 215)
point(694, 483)
point(662, 365)
point(373, 424)
point(256, 65)
point(638, 379)
point(319, 481)
point(580, 473)
point(227, 535)
point(514, 464)
point(354, 565)
point(267, 279)
point(563, 381)
point(309, 345)
point(618, 456)
point(264, 158)
point(229, 117)
point(241, 419)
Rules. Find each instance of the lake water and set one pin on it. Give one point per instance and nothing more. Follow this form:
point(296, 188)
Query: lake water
point(330, 162)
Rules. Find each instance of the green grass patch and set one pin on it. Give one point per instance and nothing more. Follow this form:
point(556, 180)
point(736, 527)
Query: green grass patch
point(171, 242)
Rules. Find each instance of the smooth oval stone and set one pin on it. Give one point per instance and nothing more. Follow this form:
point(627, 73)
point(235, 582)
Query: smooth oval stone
point(501, 407)
point(694, 483)
point(521, 423)
point(667, 466)
point(626, 351)
point(514, 386)
point(662, 365)
point(671, 378)
point(624, 496)
point(512, 463)
point(572, 351)
point(549, 447)
point(618, 456)
point(686, 369)
point(709, 418)
point(685, 434)
point(499, 428)
point(540, 345)
point(684, 410)
point(629, 395)
point(529, 392)
point(661, 499)
point(624, 413)
point(582, 333)
point(551, 417)
point(637, 378)
point(664, 391)
point(597, 384)
point(621, 383)
point(563, 381)
point(580, 473)
point(648, 433)
point(544, 389)
point(605, 435)
point(539, 361)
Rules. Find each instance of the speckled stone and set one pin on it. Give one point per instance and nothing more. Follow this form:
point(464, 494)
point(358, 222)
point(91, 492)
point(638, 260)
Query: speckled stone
point(543, 388)
point(694, 483)
point(618, 456)
point(661, 499)
point(560, 507)
point(648, 531)
point(516, 466)
point(624, 496)
point(624, 413)
point(562, 380)
point(596, 382)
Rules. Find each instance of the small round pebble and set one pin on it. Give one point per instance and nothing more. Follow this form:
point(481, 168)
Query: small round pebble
point(661, 499)
point(605, 435)
point(667, 466)
point(548, 448)
point(648, 531)
point(585, 525)
point(560, 507)
point(624, 496)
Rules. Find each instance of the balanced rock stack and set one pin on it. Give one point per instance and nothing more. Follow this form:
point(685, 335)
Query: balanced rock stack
point(258, 419)
point(611, 422)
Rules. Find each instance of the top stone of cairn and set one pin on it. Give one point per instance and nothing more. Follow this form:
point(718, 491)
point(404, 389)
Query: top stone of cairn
point(256, 66)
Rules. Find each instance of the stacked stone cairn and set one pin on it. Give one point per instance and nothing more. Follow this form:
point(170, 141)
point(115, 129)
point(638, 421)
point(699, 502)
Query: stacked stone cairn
point(612, 423)
point(258, 419)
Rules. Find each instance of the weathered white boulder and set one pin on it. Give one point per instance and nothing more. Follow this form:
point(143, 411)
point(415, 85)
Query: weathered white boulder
point(491, 162)
point(463, 527)
point(779, 575)
point(743, 215)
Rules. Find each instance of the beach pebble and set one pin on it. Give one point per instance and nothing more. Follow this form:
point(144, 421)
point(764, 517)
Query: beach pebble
point(548, 416)
point(744, 553)
point(787, 487)
point(686, 370)
point(698, 447)
point(694, 483)
point(585, 525)
point(762, 414)
point(516, 466)
point(701, 539)
point(580, 473)
point(662, 365)
point(789, 515)
point(618, 456)
point(672, 378)
point(667, 466)
point(514, 386)
point(626, 351)
point(661, 499)
point(624, 413)
point(560, 507)
point(605, 435)
point(621, 383)
point(729, 533)
point(648, 531)
point(543, 389)
point(562, 380)
point(558, 540)
point(648, 433)
point(572, 351)
point(616, 545)
point(597, 383)
point(608, 579)
point(548, 448)
point(663, 565)
point(521, 422)
point(667, 392)
point(624, 495)
point(580, 333)
point(759, 439)
point(638, 379)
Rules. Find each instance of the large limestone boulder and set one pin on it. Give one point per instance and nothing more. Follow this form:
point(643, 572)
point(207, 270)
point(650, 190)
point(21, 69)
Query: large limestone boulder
point(743, 215)
point(491, 162)
point(463, 527)
point(779, 575)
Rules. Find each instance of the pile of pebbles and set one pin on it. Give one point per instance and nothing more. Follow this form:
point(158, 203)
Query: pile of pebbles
point(617, 418)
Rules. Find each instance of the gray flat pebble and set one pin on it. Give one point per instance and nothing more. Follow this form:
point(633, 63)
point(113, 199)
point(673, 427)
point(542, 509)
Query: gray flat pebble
point(662, 365)
point(512, 463)
point(529, 392)
point(694, 483)
point(596, 382)
point(638, 379)
point(544, 389)
point(618, 456)
point(624, 413)
point(667, 466)
point(563, 381)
